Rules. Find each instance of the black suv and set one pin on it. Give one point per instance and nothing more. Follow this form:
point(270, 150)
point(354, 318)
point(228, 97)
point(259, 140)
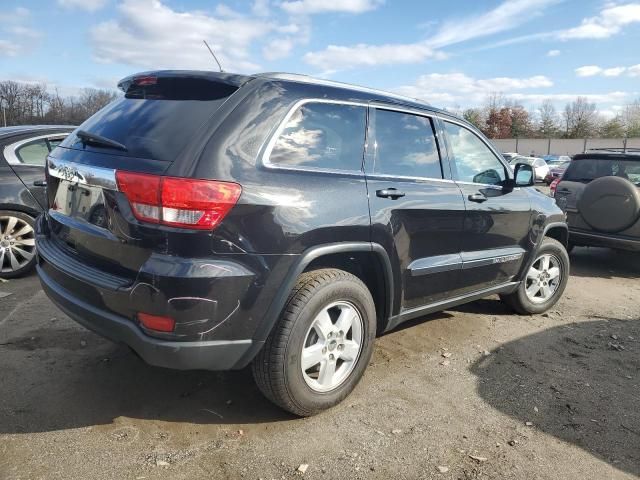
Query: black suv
point(212, 221)
point(600, 191)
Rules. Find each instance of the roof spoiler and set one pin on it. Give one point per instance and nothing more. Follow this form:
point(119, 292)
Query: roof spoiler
point(232, 79)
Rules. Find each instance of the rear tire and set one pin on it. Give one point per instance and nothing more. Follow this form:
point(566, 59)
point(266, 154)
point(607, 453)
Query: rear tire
point(17, 244)
point(303, 332)
point(541, 288)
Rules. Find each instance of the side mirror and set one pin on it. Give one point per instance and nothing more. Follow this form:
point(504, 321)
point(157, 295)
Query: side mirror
point(524, 176)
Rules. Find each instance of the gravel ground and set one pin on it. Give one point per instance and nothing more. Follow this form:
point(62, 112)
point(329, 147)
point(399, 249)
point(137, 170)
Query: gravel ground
point(540, 397)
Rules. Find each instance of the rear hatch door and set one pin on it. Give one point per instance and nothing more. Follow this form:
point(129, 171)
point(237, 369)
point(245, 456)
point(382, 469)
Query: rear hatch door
point(145, 131)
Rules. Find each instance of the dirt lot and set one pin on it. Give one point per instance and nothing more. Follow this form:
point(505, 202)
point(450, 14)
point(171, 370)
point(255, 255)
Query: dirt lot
point(545, 397)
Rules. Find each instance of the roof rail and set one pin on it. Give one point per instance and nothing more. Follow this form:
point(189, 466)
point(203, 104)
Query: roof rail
point(615, 150)
point(297, 77)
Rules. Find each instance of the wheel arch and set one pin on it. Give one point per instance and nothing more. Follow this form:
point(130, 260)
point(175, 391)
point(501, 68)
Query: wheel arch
point(15, 207)
point(558, 231)
point(335, 255)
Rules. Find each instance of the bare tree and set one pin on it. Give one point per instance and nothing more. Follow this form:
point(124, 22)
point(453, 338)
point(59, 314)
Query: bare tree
point(34, 103)
point(580, 118)
point(548, 124)
point(631, 119)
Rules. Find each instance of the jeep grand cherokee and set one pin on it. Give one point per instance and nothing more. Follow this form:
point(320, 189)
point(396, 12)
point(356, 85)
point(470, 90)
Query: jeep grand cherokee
point(212, 221)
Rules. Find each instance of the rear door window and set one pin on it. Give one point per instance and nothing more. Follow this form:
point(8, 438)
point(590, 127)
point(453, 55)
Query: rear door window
point(156, 118)
point(405, 145)
point(33, 153)
point(322, 135)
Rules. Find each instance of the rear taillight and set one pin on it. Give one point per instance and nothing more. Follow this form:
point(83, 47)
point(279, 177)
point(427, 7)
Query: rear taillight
point(178, 202)
point(553, 187)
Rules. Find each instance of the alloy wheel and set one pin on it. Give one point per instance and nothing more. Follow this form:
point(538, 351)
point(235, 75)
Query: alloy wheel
point(544, 278)
point(17, 244)
point(332, 346)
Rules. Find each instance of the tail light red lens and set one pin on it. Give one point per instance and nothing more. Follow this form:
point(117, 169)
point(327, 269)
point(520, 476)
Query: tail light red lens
point(143, 193)
point(156, 322)
point(178, 202)
point(554, 186)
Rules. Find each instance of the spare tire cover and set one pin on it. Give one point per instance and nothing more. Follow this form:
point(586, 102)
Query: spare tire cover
point(610, 204)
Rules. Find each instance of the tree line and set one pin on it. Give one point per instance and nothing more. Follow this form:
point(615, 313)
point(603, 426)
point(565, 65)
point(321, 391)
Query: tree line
point(501, 118)
point(33, 104)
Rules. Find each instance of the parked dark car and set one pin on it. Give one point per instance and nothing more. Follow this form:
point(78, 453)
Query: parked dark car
point(555, 171)
point(600, 192)
point(555, 160)
point(211, 220)
point(23, 153)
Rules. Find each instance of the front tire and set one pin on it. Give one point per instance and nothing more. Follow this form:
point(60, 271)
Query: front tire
point(318, 351)
point(545, 281)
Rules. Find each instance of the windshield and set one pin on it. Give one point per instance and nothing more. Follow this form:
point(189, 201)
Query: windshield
point(586, 170)
point(525, 160)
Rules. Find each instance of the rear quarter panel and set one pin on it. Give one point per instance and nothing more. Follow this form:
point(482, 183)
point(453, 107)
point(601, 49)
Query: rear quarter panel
point(280, 211)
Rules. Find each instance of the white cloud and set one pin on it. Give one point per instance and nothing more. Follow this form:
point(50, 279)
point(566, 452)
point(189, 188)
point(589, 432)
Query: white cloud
point(261, 8)
point(453, 90)
point(278, 48)
point(598, 98)
point(588, 71)
point(87, 5)
point(9, 48)
point(614, 72)
point(607, 23)
point(336, 57)
point(16, 38)
point(593, 70)
point(149, 34)
point(16, 15)
point(506, 16)
point(309, 7)
point(553, 53)
point(459, 88)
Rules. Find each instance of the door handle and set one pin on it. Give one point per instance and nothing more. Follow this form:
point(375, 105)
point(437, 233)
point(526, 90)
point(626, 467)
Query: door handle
point(40, 183)
point(477, 197)
point(391, 193)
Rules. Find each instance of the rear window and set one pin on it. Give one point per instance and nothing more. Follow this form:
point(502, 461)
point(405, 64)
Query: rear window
point(586, 170)
point(156, 120)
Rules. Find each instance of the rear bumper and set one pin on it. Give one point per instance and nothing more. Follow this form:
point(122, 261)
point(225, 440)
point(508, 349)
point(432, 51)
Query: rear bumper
point(206, 355)
point(579, 237)
point(218, 303)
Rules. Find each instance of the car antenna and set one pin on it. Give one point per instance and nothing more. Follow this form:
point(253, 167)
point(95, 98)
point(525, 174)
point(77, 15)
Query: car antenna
point(214, 56)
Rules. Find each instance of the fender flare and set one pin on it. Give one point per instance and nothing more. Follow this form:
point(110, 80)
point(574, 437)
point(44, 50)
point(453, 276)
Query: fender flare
point(551, 225)
point(534, 252)
point(273, 313)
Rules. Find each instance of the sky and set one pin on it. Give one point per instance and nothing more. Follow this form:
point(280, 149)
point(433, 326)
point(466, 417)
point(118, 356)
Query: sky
point(451, 53)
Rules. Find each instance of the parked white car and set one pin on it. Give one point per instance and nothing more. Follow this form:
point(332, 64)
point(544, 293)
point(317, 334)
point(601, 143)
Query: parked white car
point(540, 167)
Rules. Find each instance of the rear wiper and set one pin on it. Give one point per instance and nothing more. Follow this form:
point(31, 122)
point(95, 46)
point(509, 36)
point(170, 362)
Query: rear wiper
point(98, 140)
